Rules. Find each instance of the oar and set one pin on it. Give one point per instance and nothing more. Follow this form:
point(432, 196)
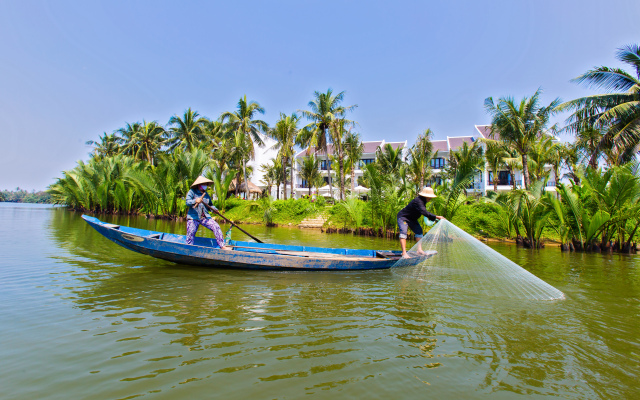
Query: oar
point(231, 222)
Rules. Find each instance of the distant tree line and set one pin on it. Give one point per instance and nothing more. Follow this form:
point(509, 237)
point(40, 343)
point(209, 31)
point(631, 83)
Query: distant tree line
point(23, 196)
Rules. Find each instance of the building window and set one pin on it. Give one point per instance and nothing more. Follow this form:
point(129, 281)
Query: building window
point(437, 162)
point(326, 180)
point(366, 161)
point(324, 164)
point(504, 178)
point(435, 180)
point(305, 184)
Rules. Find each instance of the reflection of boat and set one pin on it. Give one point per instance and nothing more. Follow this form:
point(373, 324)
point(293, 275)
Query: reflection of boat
point(205, 252)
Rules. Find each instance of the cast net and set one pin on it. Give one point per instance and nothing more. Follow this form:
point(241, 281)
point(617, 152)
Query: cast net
point(460, 261)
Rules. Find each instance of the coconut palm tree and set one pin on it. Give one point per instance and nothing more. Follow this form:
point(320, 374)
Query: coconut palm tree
point(270, 176)
point(421, 154)
point(324, 109)
point(615, 113)
point(520, 124)
point(128, 138)
point(310, 171)
point(273, 174)
point(494, 156)
point(149, 140)
point(353, 148)
point(246, 127)
point(542, 153)
point(466, 162)
point(186, 132)
point(285, 133)
point(389, 161)
point(337, 132)
point(106, 146)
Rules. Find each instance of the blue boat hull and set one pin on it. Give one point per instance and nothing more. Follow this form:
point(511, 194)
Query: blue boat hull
point(246, 255)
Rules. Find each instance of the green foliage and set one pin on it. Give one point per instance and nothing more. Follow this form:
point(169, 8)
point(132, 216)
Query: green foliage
point(349, 212)
point(22, 196)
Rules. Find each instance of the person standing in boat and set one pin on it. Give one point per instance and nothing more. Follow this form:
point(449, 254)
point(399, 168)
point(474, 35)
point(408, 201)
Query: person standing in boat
point(408, 217)
point(197, 213)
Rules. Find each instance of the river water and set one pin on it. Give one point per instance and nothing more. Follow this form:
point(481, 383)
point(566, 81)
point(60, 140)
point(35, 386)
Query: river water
point(82, 318)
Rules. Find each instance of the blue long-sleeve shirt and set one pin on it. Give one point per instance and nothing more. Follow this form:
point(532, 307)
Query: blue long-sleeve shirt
point(197, 211)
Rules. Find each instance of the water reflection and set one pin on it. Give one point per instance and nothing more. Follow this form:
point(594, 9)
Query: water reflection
point(152, 326)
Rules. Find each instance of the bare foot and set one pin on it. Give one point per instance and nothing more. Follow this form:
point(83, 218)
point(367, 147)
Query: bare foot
point(226, 248)
point(405, 255)
point(422, 253)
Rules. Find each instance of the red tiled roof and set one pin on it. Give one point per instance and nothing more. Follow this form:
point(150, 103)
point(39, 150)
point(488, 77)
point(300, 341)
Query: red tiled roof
point(485, 131)
point(456, 142)
point(440, 145)
point(371, 147)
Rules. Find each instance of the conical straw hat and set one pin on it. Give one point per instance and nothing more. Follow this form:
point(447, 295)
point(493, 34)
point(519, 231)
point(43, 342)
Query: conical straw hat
point(427, 192)
point(201, 180)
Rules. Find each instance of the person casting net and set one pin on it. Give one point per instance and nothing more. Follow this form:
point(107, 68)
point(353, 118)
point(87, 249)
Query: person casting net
point(461, 262)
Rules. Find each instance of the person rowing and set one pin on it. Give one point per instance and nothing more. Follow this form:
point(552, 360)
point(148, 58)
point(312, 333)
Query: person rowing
point(408, 218)
point(197, 200)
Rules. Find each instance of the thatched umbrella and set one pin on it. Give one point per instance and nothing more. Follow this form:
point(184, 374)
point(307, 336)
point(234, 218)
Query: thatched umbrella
point(253, 188)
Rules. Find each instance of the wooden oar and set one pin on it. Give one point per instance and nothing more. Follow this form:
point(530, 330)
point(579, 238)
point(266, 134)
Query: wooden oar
point(229, 221)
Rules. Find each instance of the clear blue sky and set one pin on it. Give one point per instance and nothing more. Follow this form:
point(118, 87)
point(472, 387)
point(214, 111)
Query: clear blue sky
point(72, 70)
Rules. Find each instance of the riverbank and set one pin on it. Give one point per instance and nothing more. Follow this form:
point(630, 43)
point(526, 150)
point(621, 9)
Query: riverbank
point(484, 221)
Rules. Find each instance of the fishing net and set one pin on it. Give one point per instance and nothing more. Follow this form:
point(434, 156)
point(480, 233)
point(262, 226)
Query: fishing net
point(463, 262)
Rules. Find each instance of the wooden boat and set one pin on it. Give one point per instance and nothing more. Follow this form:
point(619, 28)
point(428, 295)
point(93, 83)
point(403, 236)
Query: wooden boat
point(247, 255)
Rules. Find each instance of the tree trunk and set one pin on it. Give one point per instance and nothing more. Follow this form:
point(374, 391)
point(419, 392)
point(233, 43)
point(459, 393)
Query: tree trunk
point(341, 177)
point(329, 173)
point(495, 181)
point(525, 171)
point(292, 190)
point(246, 184)
point(628, 245)
point(284, 178)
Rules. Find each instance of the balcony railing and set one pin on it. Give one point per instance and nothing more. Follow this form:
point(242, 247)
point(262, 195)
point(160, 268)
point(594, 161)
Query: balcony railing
point(502, 182)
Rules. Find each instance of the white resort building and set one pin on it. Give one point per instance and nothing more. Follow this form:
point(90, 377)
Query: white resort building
point(484, 179)
point(482, 183)
point(368, 156)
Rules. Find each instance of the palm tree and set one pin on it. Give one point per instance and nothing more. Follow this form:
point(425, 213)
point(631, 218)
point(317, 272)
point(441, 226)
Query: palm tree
point(242, 122)
point(186, 132)
point(285, 133)
point(531, 209)
point(389, 160)
point(466, 161)
point(353, 148)
point(309, 171)
point(494, 157)
point(337, 132)
point(106, 146)
point(421, 154)
point(616, 113)
point(127, 138)
point(270, 177)
point(520, 124)
point(149, 140)
point(542, 153)
point(325, 108)
point(273, 174)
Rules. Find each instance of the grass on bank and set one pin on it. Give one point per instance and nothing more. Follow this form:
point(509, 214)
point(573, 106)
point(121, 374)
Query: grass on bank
point(477, 218)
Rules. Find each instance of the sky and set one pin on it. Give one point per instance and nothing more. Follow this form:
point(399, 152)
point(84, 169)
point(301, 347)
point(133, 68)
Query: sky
point(72, 70)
